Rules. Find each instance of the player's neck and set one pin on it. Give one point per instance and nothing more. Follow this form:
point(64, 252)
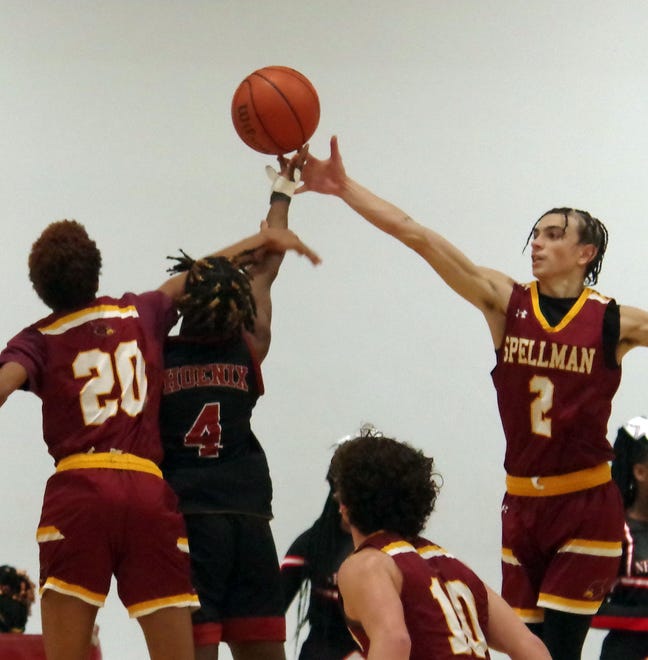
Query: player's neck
point(564, 287)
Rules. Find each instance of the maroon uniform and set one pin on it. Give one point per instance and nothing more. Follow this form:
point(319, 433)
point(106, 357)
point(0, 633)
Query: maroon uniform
point(444, 602)
point(562, 516)
point(98, 372)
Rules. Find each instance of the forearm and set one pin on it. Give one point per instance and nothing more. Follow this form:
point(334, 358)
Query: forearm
point(12, 376)
point(388, 647)
point(278, 211)
point(477, 285)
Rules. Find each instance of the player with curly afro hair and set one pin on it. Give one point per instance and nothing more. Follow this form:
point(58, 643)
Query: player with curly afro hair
point(96, 364)
point(64, 266)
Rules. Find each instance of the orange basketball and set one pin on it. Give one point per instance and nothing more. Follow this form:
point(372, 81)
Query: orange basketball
point(275, 110)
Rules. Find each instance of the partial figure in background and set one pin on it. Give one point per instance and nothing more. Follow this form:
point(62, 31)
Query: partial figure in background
point(625, 611)
point(558, 347)
point(16, 599)
point(406, 598)
point(213, 460)
point(310, 569)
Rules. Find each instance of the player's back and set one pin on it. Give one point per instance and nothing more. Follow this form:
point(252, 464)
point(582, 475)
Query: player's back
point(97, 371)
point(445, 604)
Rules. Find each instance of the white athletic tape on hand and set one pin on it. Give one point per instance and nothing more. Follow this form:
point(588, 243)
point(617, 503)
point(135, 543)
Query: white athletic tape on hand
point(280, 183)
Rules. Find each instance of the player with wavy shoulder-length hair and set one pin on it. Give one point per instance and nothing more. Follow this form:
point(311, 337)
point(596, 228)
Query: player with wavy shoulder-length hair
point(404, 596)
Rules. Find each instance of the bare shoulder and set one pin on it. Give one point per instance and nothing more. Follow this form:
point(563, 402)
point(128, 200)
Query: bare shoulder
point(367, 563)
point(633, 328)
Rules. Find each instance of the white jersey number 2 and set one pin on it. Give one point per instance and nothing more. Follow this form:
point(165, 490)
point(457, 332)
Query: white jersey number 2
point(541, 405)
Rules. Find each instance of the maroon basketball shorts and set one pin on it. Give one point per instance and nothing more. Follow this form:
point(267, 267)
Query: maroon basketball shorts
point(562, 551)
point(96, 523)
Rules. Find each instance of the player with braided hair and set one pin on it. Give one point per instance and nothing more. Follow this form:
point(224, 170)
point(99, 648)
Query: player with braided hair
point(625, 610)
point(559, 346)
point(96, 364)
point(213, 460)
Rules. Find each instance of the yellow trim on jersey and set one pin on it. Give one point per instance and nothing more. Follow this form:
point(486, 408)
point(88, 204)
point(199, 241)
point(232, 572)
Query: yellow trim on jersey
point(509, 558)
point(535, 615)
point(397, 547)
point(576, 307)
point(559, 484)
point(76, 319)
point(73, 590)
point(595, 548)
point(433, 550)
point(571, 605)
point(183, 544)
point(48, 533)
point(149, 606)
point(110, 460)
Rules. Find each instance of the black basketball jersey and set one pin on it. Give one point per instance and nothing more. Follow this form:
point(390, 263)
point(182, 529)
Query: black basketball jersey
point(212, 459)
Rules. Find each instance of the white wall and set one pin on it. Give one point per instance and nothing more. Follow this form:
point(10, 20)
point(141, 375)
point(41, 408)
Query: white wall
point(474, 115)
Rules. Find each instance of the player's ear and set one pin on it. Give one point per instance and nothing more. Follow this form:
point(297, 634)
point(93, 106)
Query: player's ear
point(587, 252)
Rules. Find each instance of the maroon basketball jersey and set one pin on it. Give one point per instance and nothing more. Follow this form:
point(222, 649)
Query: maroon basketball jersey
point(445, 603)
point(94, 370)
point(554, 390)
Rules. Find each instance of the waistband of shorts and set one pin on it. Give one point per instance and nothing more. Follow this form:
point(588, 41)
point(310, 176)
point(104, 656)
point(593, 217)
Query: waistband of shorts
point(110, 460)
point(560, 484)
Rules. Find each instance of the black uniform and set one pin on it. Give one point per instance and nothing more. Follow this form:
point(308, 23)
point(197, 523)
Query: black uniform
point(625, 610)
point(328, 638)
point(219, 471)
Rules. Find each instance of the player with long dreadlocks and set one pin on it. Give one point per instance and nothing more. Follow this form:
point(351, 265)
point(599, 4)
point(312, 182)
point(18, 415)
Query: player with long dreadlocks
point(559, 346)
point(625, 611)
point(213, 459)
point(309, 570)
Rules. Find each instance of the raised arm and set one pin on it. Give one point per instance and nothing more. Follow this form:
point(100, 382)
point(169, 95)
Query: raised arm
point(266, 268)
point(487, 289)
point(266, 247)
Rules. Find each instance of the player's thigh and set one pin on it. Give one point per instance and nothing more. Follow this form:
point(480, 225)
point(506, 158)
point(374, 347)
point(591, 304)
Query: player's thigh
point(154, 553)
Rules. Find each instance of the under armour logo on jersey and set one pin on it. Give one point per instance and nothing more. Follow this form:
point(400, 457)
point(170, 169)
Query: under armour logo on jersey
point(521, 313)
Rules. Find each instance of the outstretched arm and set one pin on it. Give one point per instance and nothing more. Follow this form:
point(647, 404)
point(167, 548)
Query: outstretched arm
point(508, 634)
point(270, 243)
point(487, 289)
point(266, 268)
point(12, 376)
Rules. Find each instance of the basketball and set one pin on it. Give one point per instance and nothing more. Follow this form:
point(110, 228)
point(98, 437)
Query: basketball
point(275, 110)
